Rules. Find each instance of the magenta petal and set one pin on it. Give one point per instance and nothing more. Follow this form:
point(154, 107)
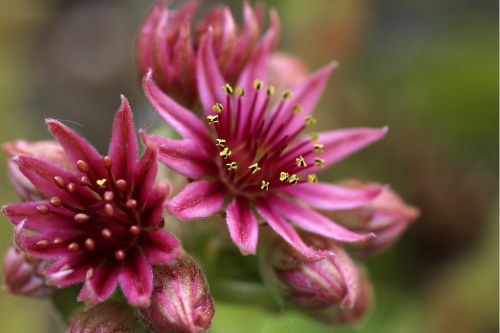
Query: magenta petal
point(145, 174)
point(182, 120)
point(312, 221)
point(99, 287)
point(197, 200)
point(152, 214)
point(162, 247)
point(243, 226)
point(209, 77)
point(333, 197)
point(123, 146)
point(184, 157)
point(136, 279)
point(27, 212)
point(282, 228)
point(146, 35)
point(77, 148)
point(77, 265)
point(350, 274)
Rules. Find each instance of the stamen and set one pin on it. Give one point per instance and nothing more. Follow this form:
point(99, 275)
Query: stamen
point(84, 181)
point(90, 274)
point(300, 162)
point(264, 186)
point(57, 241)
point(231, 166)
point(82, 166)
point(108, 209)
point(270, 91)
point(131, 203)
point(55, 201)
point(71, 188)
point(225, 153)
point(284, 176)
point(81, 218)
point(217, 107)
point(43, 244)
point(314, 137)
point(135, 230)
point(121, 184)
point(106, 233)
point(109, 195)
point(59, 181)
point(319, 148)
point(240, 91)
point(107, 162)
point(74, 247)
point(212, 119)
point(119, 255)
point(220, 142)
point(294, 179)
point(257, 84)
point(228, 89)
point(254, 168)
point(287, 94)
point(101, 182)
point(319, 162)
point(297, 108)
point(310, 121)
point(42, 209)
point(90, 244)
point(312, 178)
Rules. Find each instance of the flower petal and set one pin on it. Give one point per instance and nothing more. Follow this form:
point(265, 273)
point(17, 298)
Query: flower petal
point(123, 145)
point(34, 220)
point(243, 226)
point(282, 228)
point(160, 246)
point(99, 287)
point(145, 174)
point(152, 214)
point(312, 221)
point(350, 273)
point(333, 197)
point(70, 269)
point(136, 279)
point(197, 200)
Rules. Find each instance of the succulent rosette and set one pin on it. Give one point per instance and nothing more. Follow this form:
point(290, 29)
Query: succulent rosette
point(257, 156)
point(101, 223)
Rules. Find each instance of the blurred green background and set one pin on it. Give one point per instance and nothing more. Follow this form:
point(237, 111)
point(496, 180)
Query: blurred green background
point(427, 69)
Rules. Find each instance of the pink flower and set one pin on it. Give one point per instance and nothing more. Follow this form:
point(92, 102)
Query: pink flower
point(105, 317)
point(257, 156)
point(102, 223)
point(168, 45)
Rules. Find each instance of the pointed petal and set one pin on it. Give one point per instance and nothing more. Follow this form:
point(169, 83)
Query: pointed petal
point(312, 221)
point(333, 197)
point(123, 145)
point(184, 157)
point(34, 220)
point(197, 200)
point(350, 273)
point(184, 59)
point(282, 228)
point(152, 215)
point(160, 247)
point(209, 77)
point(78, 264)
point(136, 279)
point(243, 226)
point(182, 120)
point(99, 287)
point(145, 174)
point(77, 148)
point(146, 35)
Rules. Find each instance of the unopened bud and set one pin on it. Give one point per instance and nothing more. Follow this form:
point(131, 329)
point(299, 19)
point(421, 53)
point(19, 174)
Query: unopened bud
point(105, 317)
point(24, 274)
point(285, 70)
point(180, 301)
point(387, 217)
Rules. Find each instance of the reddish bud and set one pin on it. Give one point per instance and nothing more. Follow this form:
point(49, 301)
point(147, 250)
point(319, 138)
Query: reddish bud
point(105, 317)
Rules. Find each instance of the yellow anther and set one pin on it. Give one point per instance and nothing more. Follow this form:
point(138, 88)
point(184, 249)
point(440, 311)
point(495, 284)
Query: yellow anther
point(264, 186)
point(297, 108)
point(232, 166)
point(319, 162)
point(220, 142)
point(314, 137)
point(301, 162)
point(212, 119)
point(270, 91)
point(257, 84)
point(319, 148)
point(287, 94)
point(240, 91)
point(312, 178)
point(217, 107)
point(225, 153)
point(228, 89)
point(254, 168)
point(284, 176)
point(101, 182)
point(310, 120)
point(294, 179)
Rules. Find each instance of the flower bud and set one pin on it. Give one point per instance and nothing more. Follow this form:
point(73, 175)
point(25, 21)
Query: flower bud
point(105, 317)
point(180, 301)
point(312, 286)
point(24, 274)
point(387, 217)
point(49, 151)
point(286, 70)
